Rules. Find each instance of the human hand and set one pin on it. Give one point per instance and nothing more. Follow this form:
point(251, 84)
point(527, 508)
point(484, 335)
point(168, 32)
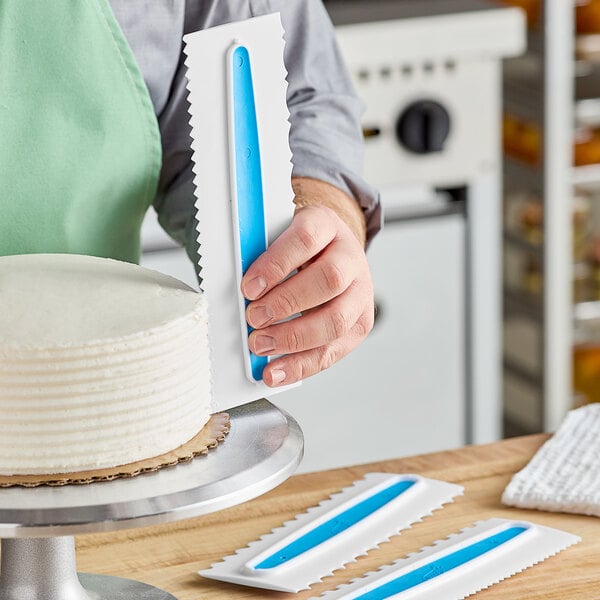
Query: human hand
point(332, 289)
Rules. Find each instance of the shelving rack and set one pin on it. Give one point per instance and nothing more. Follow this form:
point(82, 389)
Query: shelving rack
point(545, 87)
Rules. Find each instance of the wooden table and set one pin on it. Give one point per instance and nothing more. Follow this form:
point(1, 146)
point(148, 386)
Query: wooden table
point(168, 556)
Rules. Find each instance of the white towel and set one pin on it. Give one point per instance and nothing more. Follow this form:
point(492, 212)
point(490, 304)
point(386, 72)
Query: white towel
point(564, 475)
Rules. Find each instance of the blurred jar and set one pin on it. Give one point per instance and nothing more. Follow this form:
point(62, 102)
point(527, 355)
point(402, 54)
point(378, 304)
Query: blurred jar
point(587, 16)
point(521, 139)
point(582, 225)
point(510, 133)
point(594, 261)
point(530, 226)
point(586, 357)
point(586, 148)
point(532, 280)
point(531, 223)
point(582, 277)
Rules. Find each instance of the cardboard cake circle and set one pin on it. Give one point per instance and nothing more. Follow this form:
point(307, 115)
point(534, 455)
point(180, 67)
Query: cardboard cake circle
point(206, 439)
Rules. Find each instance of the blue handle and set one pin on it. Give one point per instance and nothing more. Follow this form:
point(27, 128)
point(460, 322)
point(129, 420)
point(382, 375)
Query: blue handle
point(336, 525)
point(248, 176)
point(442, 565)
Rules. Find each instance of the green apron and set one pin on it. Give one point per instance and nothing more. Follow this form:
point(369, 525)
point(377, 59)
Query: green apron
point(80, 150)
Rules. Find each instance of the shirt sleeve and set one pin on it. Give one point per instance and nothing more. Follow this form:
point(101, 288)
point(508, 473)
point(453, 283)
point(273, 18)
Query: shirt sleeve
point(325, 136)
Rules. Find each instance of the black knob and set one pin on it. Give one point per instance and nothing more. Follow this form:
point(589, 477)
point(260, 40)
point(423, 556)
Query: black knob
point(423, 127)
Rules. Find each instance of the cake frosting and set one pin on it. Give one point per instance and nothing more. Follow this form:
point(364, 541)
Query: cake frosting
point(102, 363)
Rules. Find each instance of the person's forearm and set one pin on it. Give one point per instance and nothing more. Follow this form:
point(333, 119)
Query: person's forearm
point(314, 192)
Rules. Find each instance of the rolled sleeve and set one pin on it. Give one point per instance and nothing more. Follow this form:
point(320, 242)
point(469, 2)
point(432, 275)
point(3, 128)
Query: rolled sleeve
point(325, 137)
point(326, 134)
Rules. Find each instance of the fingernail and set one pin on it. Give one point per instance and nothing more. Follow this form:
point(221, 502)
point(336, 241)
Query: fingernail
point(259, 316)
point(277, 376)
point(255, 287)
point(264, 344)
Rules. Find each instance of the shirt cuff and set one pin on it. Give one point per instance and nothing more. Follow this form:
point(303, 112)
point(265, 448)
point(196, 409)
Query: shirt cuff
point(307, 163)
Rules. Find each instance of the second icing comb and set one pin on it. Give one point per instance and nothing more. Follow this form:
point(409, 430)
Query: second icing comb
point(335, 532)
point(461, 565)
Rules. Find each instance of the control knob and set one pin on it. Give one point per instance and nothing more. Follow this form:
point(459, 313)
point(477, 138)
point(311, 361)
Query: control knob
point(423, 127)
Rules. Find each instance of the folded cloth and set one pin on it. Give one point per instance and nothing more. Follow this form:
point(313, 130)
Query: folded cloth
point(564, 475)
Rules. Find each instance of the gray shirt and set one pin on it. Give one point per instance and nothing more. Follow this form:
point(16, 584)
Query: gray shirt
point(325, 137)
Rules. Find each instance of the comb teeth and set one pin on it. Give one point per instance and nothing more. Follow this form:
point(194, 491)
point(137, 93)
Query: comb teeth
point(206, 54)
point(460, 565)
point(334, 533)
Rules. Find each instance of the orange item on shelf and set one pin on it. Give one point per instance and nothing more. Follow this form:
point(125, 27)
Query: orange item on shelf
point(586, 149)
point(587, 16)
point(521, 139)
point(531, 8)
point(510, 133)
point(586, 371)
point(531, 143)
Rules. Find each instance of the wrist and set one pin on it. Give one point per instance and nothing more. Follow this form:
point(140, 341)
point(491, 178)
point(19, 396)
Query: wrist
point(314, 192)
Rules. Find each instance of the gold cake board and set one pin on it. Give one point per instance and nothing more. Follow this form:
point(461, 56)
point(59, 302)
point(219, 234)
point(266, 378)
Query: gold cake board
point(207, 438)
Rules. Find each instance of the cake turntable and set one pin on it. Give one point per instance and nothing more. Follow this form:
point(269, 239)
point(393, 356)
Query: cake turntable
point(37, 525)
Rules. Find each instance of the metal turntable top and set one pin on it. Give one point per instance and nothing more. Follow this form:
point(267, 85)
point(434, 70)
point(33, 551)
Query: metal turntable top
point(263, 449)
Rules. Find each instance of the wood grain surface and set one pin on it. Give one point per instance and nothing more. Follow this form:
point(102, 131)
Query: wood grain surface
point(169, 556)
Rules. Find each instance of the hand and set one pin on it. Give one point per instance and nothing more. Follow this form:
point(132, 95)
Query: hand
point(332, 289)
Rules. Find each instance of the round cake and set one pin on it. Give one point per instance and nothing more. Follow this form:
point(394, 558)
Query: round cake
point(102, 363)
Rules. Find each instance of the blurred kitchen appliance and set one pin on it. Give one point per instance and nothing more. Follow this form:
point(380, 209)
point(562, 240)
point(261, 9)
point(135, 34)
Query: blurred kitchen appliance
point(429, 375)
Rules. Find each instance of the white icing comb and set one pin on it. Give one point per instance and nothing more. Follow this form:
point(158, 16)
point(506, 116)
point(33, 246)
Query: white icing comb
point(460, 565)
point(335, 532)
point(227, 155)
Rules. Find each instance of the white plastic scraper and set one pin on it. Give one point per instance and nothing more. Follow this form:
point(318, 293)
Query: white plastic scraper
point(242, 165)
point(328, 536)
point(461, 565)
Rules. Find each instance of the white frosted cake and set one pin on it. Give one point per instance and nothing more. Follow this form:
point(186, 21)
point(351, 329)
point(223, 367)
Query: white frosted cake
point(102, 363)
